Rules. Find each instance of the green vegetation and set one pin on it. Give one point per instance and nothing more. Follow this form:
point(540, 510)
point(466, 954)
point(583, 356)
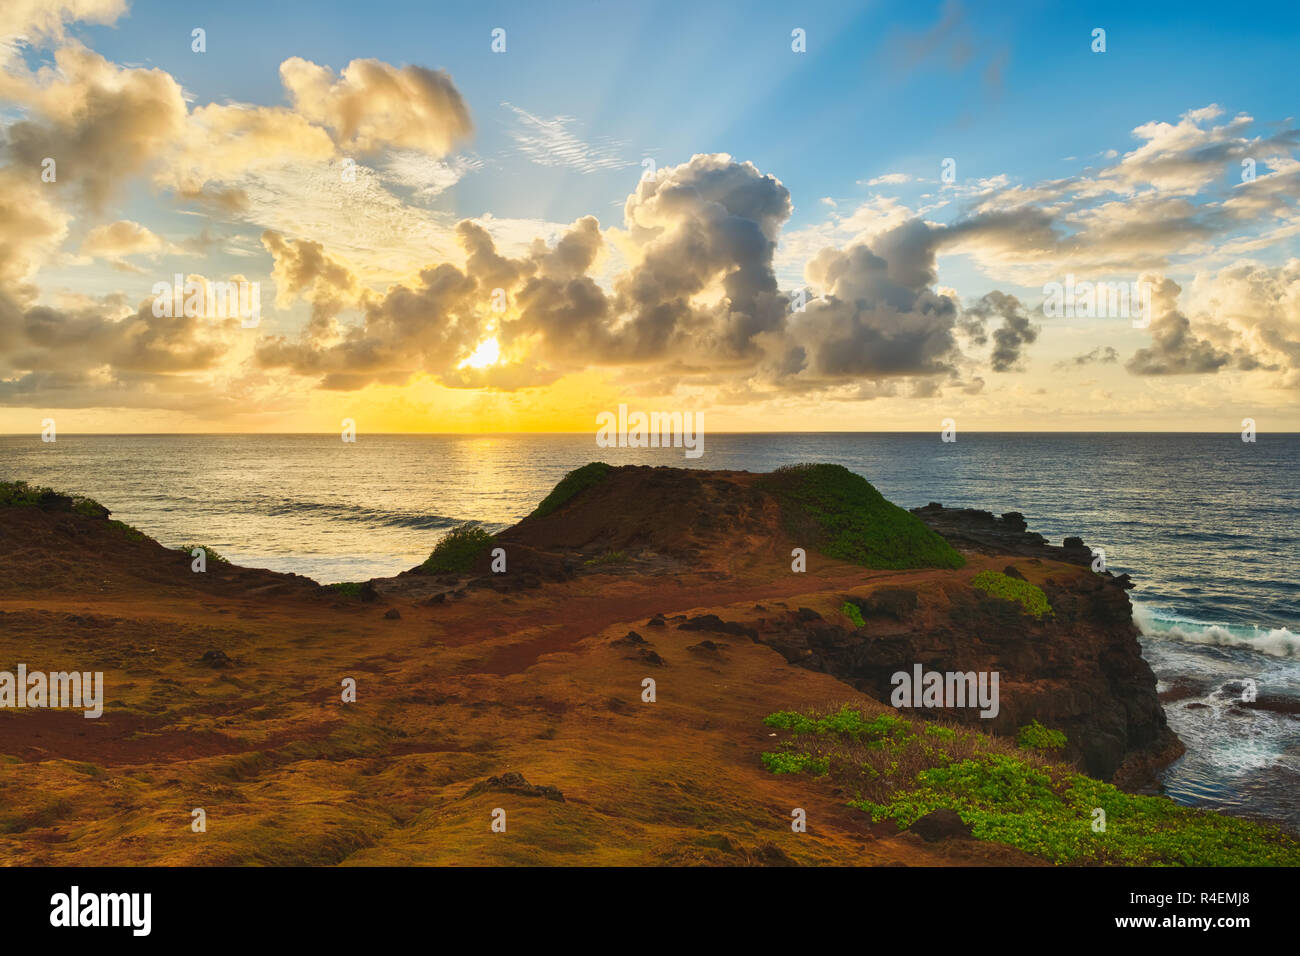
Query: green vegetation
point(575, 482)
point(898, 769)
point(19, 494)
point(1034, 736)
point(843, 516)
point(458, 551)
point(1027, 595)
point(212, 556)
point(795, 763)
point(348, 588)
point(853, 613)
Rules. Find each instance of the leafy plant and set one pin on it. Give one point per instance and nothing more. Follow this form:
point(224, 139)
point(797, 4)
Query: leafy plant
point(212, 556)
point(898, 769)
point(853, 613)
point(458, 550)
point(1034, 736)
point(348, 588)
point(1028, 596)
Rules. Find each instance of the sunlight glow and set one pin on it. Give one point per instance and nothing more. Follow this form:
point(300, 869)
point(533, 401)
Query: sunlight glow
point(486, 354)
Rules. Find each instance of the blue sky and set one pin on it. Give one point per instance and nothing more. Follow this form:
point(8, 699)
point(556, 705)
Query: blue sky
point(1123, 165)
point(671, 79)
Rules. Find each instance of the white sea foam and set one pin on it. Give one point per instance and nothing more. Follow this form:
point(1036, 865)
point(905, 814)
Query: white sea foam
point(1276, 642)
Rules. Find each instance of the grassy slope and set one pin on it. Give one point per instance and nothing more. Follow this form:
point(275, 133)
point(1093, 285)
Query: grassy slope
point(841, 515)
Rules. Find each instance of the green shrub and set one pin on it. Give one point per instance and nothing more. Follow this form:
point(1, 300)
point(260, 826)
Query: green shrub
point(1034, 736)
point(212, 556)
point(853, 613)
point(1028, 596)
point(348, 588)
point(576, 481)
point(794, 763)
point(19, 494)
point(458, 551)
point(843, 516)
point(898, 769)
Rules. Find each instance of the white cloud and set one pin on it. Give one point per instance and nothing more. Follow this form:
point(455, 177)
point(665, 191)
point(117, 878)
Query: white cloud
point(549, 142)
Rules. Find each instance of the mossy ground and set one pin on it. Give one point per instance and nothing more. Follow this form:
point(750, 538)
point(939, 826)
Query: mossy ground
point(899, 769)
point(843, 516)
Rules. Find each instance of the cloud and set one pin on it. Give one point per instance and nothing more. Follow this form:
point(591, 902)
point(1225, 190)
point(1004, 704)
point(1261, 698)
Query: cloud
point(32, 228)
point(301, 267)
point(1175, 349)
point(889, 179)
point(878, 316)
point(372, 104)
point(1102, 354)
point(1011, 337)
point(100, 123)
point(34, 21)
point(550, 142)
point(121, 238)
point(425, 176)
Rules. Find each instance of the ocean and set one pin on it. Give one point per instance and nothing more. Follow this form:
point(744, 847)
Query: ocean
point(1207, 525)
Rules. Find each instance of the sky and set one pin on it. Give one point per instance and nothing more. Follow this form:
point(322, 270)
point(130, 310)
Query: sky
point(464, 217)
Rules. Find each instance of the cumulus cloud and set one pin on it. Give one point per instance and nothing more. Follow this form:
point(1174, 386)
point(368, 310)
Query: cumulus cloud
point(878, 316)
point(99, 122)
point(32, 228)
point(33, 21)
point(1011, 337)
point(115, 240)
point(373, 104)
point(301, 267)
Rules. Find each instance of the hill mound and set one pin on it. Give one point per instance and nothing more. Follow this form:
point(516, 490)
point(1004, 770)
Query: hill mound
point(684, 512)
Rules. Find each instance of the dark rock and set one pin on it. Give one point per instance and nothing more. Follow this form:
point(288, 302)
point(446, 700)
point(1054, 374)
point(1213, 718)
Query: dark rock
point(631, 639)
point(941, 825)
point(807, 614)
point(656, 621)
point(1012, 571)
point(1014, 520)
point(897, 603)
point(1080, 672)
point(769, 854)
point(647, 656)
point(1274, 703)
point(392, 614)
point(215, 658)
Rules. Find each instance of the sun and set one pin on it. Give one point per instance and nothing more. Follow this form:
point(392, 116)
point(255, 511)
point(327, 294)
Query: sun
point(486, 354)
